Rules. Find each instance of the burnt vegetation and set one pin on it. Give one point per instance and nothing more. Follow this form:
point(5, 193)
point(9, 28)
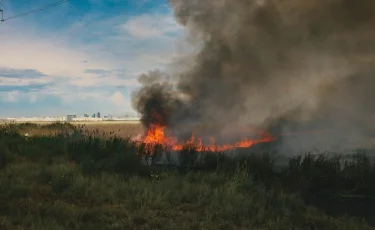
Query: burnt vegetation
point(80, 180)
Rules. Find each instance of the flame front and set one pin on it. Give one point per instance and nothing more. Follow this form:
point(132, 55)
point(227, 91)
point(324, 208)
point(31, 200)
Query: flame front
point(155, 136)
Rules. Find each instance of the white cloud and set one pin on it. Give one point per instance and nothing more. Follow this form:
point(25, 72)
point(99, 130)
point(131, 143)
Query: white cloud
point(63, 57)
point(70, 95)
point(51, 56)
point(6, 81)
point(55, 54)
point(112, 80)
point(12, 96)
point(151, 26)
point(33, 98)
point(15, 96)
point(118, 99)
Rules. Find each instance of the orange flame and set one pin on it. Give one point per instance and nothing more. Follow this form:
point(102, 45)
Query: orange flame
point(155, 136)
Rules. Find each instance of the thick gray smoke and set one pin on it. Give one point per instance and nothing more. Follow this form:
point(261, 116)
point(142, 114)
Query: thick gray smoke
point(309, 62)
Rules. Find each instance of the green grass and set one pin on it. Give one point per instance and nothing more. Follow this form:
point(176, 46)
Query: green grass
point(73, 181)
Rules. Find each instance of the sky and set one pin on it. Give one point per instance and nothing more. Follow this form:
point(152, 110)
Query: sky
point(82, 56)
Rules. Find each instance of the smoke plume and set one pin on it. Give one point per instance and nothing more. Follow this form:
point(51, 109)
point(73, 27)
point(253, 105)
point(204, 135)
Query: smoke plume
point(310, 63)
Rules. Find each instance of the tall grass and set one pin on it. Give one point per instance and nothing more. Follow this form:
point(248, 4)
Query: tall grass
point(106, 174)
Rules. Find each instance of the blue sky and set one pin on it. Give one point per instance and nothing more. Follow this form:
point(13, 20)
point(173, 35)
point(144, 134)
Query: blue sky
point(82, 56)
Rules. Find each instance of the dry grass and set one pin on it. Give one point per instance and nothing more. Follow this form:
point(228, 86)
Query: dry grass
point(123, 129)
point(120, 129)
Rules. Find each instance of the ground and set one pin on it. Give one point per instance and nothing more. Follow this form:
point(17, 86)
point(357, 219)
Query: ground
point(50, 181)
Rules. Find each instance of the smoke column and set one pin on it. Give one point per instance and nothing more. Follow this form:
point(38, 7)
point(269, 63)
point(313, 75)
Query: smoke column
point(310, 63)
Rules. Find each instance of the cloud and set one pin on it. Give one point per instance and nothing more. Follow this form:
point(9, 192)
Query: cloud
point(118, 99)
point(33, 97)
point(152, 26)
point(12, 96)
point(16, 96)
point(24, 80)
point(98, 71)
point(4, 81)
point(78, 64)
point(20, 73)
point(23, 88)
point(41, 51)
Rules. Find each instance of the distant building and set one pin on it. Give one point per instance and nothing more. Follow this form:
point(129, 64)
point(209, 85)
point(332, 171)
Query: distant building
point(70, 117)
point(93, 115)
point(98, 115)
point(86, 115)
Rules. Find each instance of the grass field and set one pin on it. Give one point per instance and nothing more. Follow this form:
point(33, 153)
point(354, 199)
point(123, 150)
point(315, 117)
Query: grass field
point(64, 176)
point(122, 129)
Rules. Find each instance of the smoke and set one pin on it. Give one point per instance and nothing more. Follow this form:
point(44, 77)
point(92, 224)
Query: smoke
point(310, 63)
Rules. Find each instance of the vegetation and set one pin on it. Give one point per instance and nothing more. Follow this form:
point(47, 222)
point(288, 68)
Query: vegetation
point(79, 180)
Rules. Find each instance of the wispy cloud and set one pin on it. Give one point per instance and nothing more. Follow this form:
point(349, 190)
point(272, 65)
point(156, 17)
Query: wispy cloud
point(152, 26)
point(12, 96)
point(119, 99)
point(23, 73)
point(23, 88)
point(98, 71)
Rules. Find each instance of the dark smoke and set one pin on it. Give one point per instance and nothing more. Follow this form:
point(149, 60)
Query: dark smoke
point(309, 63)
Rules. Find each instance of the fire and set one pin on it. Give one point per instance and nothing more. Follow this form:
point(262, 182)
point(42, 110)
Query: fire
point(156, 136)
